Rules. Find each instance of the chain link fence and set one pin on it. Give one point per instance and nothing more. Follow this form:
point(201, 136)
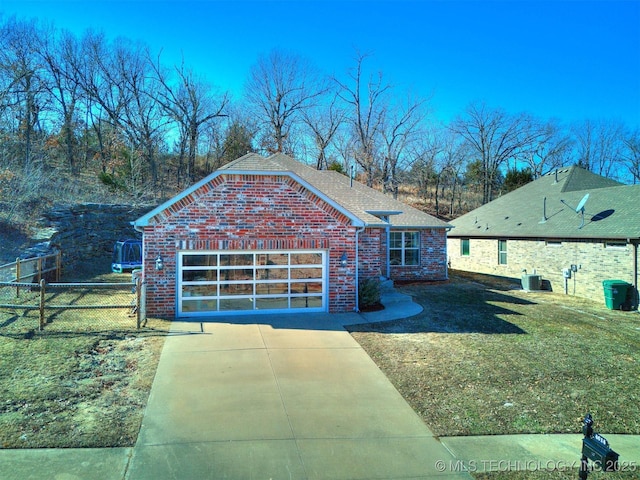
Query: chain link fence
point(70, 307)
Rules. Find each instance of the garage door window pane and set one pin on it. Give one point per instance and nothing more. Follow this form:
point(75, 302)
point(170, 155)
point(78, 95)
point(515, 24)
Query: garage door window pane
point(199, 275)
point(236, 260)
point(306, 302)
point(272, 274)
point(272, 288)
point(228, 304)
point(240, 274)
point(236, 289)
point(192, 306)
point(306, 273)
point(199, 260)
point(306, 259)
point(306, 287)
point(199, 290)
point(276, 303)
point(272, 259)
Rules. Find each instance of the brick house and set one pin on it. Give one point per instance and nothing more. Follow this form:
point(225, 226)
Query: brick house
point(540, 228)
point(267, 235)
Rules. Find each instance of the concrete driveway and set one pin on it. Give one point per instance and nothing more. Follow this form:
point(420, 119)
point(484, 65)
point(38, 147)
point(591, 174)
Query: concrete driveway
point(291, 397)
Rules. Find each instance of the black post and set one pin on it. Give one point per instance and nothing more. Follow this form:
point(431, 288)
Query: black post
point(584, 468)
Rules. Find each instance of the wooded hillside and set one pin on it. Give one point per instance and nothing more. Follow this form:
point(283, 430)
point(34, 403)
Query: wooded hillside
point(105, 120)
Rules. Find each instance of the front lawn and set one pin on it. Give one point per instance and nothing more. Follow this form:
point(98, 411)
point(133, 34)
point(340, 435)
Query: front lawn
point(484, 358)
point(83, 381)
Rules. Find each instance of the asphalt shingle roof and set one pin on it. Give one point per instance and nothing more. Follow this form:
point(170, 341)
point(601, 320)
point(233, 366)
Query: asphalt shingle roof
point(546, 208)
point(358, 200)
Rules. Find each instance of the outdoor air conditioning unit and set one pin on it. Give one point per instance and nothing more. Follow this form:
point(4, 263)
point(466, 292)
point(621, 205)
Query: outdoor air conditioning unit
point(531, 282)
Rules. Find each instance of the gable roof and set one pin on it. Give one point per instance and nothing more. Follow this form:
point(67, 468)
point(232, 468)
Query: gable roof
point(546, 208)
point(363, 205)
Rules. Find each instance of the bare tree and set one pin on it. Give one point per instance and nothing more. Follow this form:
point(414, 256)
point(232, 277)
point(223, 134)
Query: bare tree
point(440, 158)
point(368, 103)
point(227, 141)
point(281, 86)
point(550, 149)
point(323, 121)
point(24, 79)
point(599, 146)
point(59, 56)
point(496, 138)
point(400, 126)
point(104, 92)
point(190, 104)
point(631, 154)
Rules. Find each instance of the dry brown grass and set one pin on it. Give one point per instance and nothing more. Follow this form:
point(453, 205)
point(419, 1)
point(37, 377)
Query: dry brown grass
point(81, 382)
point(487, 359)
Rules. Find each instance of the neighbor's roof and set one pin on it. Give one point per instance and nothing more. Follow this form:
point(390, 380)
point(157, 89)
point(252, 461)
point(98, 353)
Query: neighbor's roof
point(362, 204)
point(610, 212)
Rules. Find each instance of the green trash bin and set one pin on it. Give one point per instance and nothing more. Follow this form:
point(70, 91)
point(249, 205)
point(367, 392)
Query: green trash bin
point(615, 293)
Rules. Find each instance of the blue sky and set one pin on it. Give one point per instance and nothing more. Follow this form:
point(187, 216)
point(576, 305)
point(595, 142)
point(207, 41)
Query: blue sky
point(570, 60)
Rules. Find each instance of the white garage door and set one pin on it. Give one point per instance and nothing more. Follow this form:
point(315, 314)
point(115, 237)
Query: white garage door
point(226, 282)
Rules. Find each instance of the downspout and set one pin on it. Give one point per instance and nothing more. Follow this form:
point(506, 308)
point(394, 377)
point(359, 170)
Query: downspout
point(387, 252)
point(357, 309)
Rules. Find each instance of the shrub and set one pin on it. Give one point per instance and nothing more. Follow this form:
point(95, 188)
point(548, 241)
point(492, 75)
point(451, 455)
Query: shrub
point(369, 292)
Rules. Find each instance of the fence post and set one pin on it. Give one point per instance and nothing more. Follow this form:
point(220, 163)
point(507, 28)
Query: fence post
point(58, 265)
point(42, 284)
point(39, 267)
point(18, 276)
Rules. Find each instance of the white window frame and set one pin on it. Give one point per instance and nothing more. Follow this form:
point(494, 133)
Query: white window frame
point(503, 253)
point(403, 248)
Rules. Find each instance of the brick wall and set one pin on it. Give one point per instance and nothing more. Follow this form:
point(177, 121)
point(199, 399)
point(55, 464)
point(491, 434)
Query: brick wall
point(236, 212)
point(596, 262)
point(433, 258)
point(369, 252)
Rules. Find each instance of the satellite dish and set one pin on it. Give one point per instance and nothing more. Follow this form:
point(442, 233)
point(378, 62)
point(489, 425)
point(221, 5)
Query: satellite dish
point(580, 207)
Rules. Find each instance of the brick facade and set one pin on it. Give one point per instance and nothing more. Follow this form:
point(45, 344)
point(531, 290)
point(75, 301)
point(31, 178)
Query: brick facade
point(236, 212)
point(433, 258)
point(597, 260)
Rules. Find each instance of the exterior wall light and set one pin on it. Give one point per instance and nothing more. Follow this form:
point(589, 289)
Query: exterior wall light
point(343, 259)
point(159, 263)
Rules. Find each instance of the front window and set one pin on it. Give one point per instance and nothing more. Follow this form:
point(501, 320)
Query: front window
point(502, 252)
point(404, 248)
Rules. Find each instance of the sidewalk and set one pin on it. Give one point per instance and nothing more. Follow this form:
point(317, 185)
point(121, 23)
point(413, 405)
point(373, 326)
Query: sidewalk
point(290, 397)
point(534, 452)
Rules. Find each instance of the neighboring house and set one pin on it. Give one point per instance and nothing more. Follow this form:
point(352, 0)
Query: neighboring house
point(266, 235)
point(537, 228)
